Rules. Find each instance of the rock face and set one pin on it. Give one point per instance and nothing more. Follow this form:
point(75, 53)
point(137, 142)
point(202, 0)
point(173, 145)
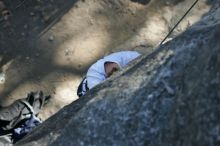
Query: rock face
point(170, 97)
point(55, 41)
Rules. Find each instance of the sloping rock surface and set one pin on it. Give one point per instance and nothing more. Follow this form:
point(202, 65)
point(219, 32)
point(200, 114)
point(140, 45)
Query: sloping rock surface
point(170, 97)
point(55, 41)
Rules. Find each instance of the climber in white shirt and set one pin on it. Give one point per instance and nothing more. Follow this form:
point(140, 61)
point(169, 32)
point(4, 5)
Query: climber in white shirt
point(104, 68)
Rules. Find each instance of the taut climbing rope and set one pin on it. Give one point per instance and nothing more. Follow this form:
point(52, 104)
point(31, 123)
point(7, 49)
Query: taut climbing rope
point(178, 22)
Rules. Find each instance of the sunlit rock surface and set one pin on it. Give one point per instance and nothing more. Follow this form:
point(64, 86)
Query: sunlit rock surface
point(55, 41)
point(171, 97)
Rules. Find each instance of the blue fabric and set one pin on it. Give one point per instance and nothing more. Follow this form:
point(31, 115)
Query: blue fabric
point(27, 127)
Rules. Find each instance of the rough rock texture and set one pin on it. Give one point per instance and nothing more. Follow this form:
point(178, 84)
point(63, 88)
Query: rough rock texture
point(55, 41)
point(170, 97)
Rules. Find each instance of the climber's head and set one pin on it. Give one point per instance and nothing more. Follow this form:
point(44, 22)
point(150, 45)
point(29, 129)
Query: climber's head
point(111, 68)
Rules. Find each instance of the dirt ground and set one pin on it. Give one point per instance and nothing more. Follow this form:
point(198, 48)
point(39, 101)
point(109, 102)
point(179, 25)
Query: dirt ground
point(49, 44)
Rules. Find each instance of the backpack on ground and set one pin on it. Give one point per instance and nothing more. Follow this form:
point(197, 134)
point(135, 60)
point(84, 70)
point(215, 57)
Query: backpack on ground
point(20, 116)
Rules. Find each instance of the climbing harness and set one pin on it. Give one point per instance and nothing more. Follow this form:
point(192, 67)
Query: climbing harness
point(178, 22)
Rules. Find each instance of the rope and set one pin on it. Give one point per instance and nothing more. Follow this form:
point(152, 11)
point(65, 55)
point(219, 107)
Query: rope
point(178, 22)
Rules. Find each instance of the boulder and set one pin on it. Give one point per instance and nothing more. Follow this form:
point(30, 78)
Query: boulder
point(170, 98)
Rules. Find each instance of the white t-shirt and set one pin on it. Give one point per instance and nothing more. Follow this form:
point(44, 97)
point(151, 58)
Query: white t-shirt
point(96, 73)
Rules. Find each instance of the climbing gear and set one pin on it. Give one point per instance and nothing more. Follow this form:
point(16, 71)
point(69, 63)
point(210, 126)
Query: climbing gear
point(83, 88)
point(25, 128)
point(19, 118)
point(178, 22)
